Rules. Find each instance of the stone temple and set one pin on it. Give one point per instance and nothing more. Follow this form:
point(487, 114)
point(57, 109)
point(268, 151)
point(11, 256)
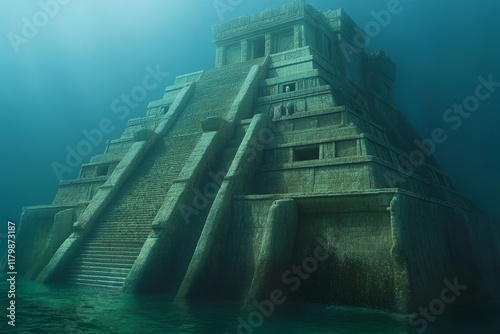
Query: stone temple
point(290, 148)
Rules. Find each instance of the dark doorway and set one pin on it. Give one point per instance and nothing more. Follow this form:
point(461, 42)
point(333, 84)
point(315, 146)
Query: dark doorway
point(259, 47)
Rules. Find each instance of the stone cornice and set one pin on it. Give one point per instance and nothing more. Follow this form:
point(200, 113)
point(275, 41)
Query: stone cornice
point(275, 17)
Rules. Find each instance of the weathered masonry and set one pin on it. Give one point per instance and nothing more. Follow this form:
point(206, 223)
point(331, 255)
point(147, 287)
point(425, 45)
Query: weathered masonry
point(237, 172)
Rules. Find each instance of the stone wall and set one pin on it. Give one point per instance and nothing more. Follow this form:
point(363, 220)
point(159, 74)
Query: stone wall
point(237, 262)
point(355, 228)
point(440, 242)
point(307, 177)
point(42, 230)
point(78, 191)
point(360, 271)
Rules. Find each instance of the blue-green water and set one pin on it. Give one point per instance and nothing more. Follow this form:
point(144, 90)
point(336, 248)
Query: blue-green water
point(48, 309)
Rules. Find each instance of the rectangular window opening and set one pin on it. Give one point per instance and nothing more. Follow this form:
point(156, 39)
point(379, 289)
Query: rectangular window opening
point(291, 87)
point(164, 110)
point(102, 170)
point(259, 47)
point(306, 153)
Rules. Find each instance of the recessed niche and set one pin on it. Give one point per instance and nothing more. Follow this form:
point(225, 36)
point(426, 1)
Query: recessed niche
point(258, 48)
point(306, 153)
point(102, 170)
point(346, 148)
point(284, 41)
point(291, 87)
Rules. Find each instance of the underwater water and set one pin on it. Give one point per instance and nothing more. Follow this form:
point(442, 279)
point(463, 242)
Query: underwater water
point(49, 309)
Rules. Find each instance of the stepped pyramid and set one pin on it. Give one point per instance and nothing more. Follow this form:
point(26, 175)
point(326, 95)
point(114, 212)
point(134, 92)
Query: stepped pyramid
point(286, 167)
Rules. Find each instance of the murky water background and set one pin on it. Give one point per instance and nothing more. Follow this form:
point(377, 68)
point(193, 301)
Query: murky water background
point(49, 309)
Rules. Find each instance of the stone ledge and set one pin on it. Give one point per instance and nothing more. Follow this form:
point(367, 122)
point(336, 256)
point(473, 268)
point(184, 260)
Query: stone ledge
point(269, 18)
point(387, 193)
point(159, 103)
point(143, 120)
point(320, 163)
point(102, 162)
point(48, 210)
point(106, 158)
point(96, 179)
point(120, 141)
point(294, 76)
point(213, 124)
point(312, 113)
point(296, 94)
point(324, 140)
point(185, 79)
point(377, 191)
point(298, 57)
point(143, 135)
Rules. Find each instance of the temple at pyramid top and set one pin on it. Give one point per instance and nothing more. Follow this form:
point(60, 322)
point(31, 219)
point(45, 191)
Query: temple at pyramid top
point(299, 25)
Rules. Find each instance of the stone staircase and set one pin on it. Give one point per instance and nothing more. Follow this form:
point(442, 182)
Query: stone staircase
point(215, 92)
point(111, 248)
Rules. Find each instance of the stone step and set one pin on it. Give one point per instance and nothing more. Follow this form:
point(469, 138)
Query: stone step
point(103, 278)
point(128, 233)
point(209, 87)
point(118, 252)
point(104, 269)
point(99, 271)
point(100, 265)
point(111, 280)
point(107, 260)
point(100, 255)
point(119, 241)
point(107, 224)
point(122, 227)
point(118, 213)
point(114, 243)
point(124, 237)
point(95, 282)
point(92, 284)
point(119, 218)
point(205, 96)
point(126, 230)
point(118, 257)
point(106, 248)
